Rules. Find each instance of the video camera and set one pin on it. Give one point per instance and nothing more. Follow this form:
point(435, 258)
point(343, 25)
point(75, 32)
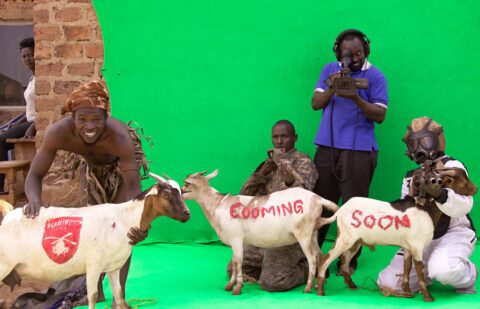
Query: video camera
point(346, 85)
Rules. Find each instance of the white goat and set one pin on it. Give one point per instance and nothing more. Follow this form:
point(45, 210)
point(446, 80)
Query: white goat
point(371, 222)
point(279, 219)
point(62, 242)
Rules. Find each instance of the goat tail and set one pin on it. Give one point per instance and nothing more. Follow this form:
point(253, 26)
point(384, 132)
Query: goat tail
point(5, 207)
point(329, 205)
point(324, 221)
point(321, 221)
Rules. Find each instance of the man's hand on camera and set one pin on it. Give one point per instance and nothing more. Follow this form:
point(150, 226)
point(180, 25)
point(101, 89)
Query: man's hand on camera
point(32, 209)
point(349, 95)
point(334, 76)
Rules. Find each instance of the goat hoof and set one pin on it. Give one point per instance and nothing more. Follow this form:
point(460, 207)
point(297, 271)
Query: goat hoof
point(428, 298)
point(229, 286)
point(307, 290)
point(123, 305)
point(237, 290)
point(353, 287)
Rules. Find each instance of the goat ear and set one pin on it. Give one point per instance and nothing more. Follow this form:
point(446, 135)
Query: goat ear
point(211, 175)
point(159, 179)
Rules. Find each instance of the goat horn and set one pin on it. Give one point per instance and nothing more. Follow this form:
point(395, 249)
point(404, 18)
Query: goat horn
point(211, 175)
point(202, 173)
point(157, 178)
point(166, 176)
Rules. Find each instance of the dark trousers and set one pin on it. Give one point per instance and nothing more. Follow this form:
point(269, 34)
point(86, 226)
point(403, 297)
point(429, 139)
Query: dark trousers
point(15, 132)
point(342, 174)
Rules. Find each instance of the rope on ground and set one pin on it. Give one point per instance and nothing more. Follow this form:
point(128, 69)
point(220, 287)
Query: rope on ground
point(138, 302)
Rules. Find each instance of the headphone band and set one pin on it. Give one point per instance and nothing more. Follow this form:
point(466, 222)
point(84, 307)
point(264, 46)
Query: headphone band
point(355, 32)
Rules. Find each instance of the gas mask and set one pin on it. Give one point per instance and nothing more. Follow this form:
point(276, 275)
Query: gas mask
point(424, 144)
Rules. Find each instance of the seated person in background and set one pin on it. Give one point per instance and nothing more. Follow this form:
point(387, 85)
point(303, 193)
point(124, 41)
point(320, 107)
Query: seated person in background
point(447, 257)
point(24, 125)
point(282, 268)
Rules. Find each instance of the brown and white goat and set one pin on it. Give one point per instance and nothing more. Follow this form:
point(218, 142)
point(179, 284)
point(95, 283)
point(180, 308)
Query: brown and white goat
point(278, 219)
point(408, 223)
point(62, 242)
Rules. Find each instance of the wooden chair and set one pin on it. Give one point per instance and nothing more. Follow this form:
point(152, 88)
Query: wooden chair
point(10, 169)
point(23, 149)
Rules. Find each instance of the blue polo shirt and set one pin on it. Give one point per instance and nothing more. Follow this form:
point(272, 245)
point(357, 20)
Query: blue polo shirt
point(351, 128)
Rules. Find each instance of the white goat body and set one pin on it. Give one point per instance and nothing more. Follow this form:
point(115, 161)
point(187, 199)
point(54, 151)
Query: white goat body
point(279, 215)
point(63, 242)
point(106, 224)
point(278, 219)
point(373, 222)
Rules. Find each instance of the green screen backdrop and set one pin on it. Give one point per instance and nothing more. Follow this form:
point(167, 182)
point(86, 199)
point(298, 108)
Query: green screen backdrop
point(207, 79)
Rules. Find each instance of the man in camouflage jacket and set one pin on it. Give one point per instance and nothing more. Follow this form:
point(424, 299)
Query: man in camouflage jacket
point(282, 268)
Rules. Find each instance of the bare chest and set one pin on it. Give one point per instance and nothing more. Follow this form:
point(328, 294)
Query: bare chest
point(98, 153)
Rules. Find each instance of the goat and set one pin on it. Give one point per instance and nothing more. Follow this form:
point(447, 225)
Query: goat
point(407, 223)
point(62, 242)
point(278, 219)
point(371, 222)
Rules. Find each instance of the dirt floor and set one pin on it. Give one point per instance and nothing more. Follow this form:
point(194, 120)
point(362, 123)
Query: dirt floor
point(27, 286)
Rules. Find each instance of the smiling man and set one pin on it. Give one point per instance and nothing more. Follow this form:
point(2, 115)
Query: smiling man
point(282, 268)
point(108, 152)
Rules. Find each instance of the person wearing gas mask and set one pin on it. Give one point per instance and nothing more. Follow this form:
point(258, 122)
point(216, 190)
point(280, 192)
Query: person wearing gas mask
point(346, 154)
point(447, 257)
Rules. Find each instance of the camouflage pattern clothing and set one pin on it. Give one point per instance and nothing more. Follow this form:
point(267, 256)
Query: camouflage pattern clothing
point(258, 184)
point(281, 268)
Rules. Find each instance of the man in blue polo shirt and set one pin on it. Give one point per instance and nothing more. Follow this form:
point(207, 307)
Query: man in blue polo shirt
point(346, 154)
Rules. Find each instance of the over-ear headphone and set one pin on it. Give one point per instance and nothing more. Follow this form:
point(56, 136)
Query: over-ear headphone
point(355, 32)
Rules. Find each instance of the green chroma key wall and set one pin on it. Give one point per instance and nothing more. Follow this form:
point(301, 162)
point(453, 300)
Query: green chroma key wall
point(207, 79)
